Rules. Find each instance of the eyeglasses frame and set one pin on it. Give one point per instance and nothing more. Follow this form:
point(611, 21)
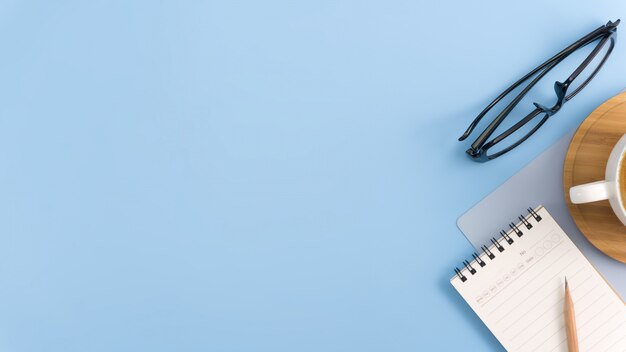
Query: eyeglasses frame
point(479, 148)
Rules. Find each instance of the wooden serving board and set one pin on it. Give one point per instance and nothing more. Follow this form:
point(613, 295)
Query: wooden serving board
point(585, 162)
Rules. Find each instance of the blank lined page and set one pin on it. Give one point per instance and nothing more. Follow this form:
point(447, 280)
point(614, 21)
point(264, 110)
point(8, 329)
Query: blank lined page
point(519, 294)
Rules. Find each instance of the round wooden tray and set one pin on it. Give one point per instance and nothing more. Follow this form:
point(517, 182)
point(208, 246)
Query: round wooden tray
point(585, 161)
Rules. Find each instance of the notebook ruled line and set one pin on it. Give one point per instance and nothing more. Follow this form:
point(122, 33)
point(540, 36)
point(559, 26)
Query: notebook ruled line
point(559, 345)
point(599, 326)
point(556, 289)
point(588, 320)
point(586, 293)
point(547, 310)
point(598, 341)
point(527, 270)
point(589, 305)
point(623, 338)
point(540, 286)
point(607, 335)
point(540, 346)
point(539, 317)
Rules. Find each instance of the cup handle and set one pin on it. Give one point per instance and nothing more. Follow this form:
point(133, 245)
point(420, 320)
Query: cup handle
point(590, 192)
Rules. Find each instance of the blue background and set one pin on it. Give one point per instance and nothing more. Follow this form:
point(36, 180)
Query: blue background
point(257, 176)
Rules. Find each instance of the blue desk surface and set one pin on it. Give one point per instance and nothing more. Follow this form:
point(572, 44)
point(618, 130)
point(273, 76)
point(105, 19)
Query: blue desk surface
point(256, 175)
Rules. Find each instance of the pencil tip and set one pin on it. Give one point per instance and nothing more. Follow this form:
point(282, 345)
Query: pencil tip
point(565, 281)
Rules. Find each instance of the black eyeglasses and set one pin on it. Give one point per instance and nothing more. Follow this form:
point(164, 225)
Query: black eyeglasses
point(479, 150)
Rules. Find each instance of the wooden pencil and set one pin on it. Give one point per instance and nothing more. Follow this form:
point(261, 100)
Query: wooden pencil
point(570, 321)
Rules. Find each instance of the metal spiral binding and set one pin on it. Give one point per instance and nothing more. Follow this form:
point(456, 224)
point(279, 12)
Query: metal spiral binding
point(469, 267)
point(516, 229)
point(478, 260)
point(460, 275)
point(487, 252)
point(497, 243)
point(506, 237)
point(534, 214)
point(525, 222)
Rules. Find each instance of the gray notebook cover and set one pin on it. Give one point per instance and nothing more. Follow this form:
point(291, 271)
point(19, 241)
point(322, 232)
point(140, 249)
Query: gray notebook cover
point(540, 182)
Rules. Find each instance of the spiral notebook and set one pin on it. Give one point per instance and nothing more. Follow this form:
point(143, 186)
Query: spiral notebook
point(516, 286)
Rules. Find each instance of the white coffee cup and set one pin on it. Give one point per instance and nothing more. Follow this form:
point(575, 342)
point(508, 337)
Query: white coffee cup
point(608, 188)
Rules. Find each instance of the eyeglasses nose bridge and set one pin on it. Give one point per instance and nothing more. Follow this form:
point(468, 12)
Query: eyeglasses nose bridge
point(560, 88)
point(548, 111)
